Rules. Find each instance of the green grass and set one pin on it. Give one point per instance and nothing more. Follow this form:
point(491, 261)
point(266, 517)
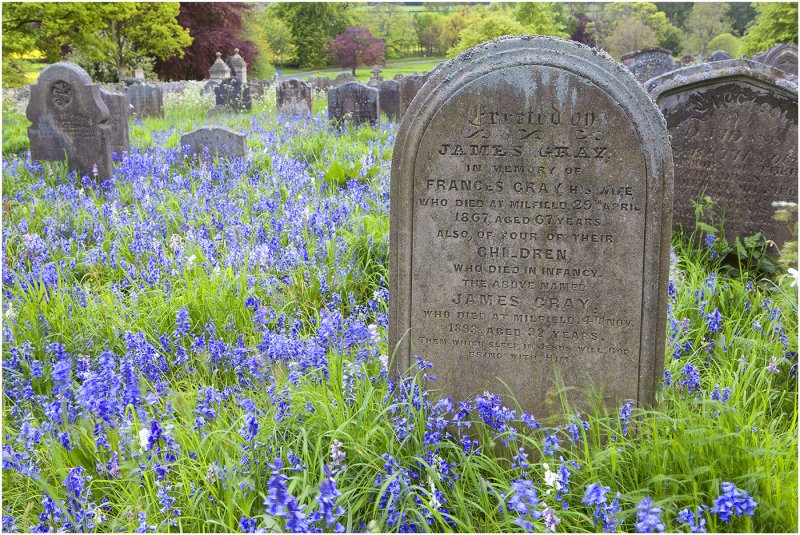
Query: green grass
point(678, 451)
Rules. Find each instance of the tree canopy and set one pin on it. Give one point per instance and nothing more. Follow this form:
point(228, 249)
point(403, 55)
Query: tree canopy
point(356, 47)
point(775, 23)
point(311, 24)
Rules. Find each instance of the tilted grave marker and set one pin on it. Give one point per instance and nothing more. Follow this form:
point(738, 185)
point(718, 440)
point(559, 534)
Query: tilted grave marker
point(219, 140)
point(649, 63)
point(390, 99)
point(734, 136)
point(118, 105)
point(530, 226)
point(293, 97)
point(353, 102)
point(147, 100)
point(782, 56)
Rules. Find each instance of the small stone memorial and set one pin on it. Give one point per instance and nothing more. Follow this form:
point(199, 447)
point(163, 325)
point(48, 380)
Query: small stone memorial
point(782, 56)
point(233, 95)
point(719, 55)
point(219, 70)
point(117, 104)
point(70, 121)
point(409, 87)
point(219, 140)
point(390, 99)
point(531, 194)
point(238, 67)
point(649, 63)
point(147, 100)
point(258, 88)
point(353, 102)
point(734, 137)
point(686, 60)
point(293, 97)
point(376, 73)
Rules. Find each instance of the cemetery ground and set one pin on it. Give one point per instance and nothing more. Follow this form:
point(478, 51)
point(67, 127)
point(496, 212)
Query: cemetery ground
point(202, 347)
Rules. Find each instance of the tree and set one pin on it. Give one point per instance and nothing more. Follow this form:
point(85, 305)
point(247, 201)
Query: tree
point(386, 21)
point(488, 26)
point(775, 23)
point(630, 35)
point(583, 31)
point(540, 18)
point(115, 33)
point(355, 47)
point(741, 15)
point(279, 37)
point(676, 12)
point(311, 24)
point(727, 42)
point(611, 15)
point(215, 27)
point(705, 21)
point(429, 29)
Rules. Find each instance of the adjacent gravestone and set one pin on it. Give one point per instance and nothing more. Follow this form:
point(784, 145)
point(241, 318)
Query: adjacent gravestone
point(649, 63)
point(734, 136)
point(233, 95)
point(390, 99)
point(70, 121)
point(321, 84)
point(117, 104)
point(258, 88)
point(343, 79)
point(409, 87)
point(530, 226)
point(293, 97)
point(719, 55)
point(218, 140)
point(686, 60)
point(353, 102)
point(239, 67)
point(147, 100)
point(782, 56)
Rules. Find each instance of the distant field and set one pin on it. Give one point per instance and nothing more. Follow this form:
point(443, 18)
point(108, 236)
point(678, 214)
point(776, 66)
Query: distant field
point(405, 67)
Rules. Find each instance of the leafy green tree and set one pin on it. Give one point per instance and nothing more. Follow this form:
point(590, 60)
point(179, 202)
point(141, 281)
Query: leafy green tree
point(611, 15)
point(487, 26)
point(705, 21)
point(630, 35)
point(727, 42)
point(429, 29)
point(676, 12)
point(775, 23)
point(540, 18)
point(741, 15)
point(388, 22)
point(311, 24)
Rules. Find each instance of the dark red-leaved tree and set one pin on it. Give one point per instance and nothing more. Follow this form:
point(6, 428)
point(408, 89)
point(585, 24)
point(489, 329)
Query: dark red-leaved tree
point(215, 27)
point(355, 47)
point(582, 33)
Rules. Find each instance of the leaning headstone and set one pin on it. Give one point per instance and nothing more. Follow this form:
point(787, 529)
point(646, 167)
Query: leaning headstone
point(70, 121)
point(232, 94)
point(218, 140)
point(219, 70)
point(390, 99)
point(530, 226)
point(782, 56)
point(734, 137)
point(117, 104)
point(649, 63)
point(147, 100)
point(353, 102)
point(343, 79)
point(719, 55)
point(293, 97)
point(239, 70)
point(409, 87)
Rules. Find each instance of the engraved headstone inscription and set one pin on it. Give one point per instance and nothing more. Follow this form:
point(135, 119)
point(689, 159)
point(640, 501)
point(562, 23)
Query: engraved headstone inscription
point(70, 120)
point(649, 63)
point(719, 55)
point(390, 99)
point(147, 100)
point(293, 97)
point(734, 137)
point(782, 56)
point(530, 226)
point(219, 140)
point(117, 104)
point(353, 102)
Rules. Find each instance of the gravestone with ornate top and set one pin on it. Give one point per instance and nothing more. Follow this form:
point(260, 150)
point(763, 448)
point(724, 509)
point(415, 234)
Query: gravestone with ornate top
point(531, 195)
point(70, 121)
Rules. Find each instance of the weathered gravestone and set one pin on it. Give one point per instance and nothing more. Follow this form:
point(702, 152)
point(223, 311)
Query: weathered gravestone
point(719, 55)
point(390, 99)
point(219, 140)
point(782, 56)
point(258, 88)
point(734, 137)
point(376, 74)
point(649, 63)
point(238, 67)
point(233, 95)
point(70, 120)
point(293, 97)
point(147, 100)
point(343, 78)
point(409, 87)
point(353, 102)
point(117, 104)
point(530, 226)
point(686, 60)
point(219, 70)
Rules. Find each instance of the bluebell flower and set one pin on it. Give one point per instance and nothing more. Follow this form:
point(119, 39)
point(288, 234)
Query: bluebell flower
point(696, 524)
point(733, 502)
point(523, 500)
point(625, 416)
point(247, 524)
point(550, 444)
point(328, 510)
point(647, 519)
point(714, 321)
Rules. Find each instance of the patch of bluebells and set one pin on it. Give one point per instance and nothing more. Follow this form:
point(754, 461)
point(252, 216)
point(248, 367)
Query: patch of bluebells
point(605, 513)
point(523, 500)
point(695, 521)
point(733, 502)
point(647, 517)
